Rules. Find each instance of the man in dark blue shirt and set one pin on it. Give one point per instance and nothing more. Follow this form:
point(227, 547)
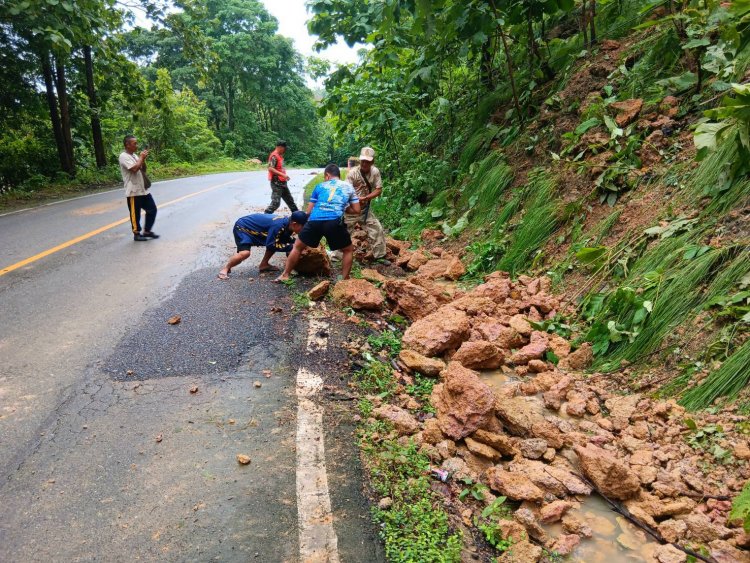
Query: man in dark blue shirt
point(263, 229)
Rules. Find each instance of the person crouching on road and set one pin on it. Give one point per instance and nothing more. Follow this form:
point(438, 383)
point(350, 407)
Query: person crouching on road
point(133, 170)
point(328, 203)
point(262, 229)
point(279, 178)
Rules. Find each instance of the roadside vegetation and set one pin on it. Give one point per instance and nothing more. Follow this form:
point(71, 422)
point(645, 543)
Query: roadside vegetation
point(602, 144)
point(207, 85)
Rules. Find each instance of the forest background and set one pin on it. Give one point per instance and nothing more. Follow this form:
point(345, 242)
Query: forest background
point(206, 87)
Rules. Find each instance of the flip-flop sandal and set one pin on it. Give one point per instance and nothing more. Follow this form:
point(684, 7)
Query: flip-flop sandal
point(269, 269)
point(222, 276)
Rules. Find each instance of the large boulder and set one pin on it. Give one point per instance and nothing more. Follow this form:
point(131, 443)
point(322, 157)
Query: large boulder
point(611, 476)
point(578, 360)
point(496, 287)
point(446, 267)
point(522, 419)
point(440, 331)
point(396, 246)
point(463, 402)
point(413, 301)
point(532, 351)
point(513, 485)
point(424, 365)
point(479, 354)
point(556, 478)
point(319, 291)
point(473, 305)
point(357, 294)
point(314, 262)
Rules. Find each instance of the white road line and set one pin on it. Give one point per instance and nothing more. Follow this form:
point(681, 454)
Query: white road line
point(317, 537)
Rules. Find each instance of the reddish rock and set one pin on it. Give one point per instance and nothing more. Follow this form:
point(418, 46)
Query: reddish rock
point(445, 267)
point(431, 235)
point(463, 402)
point(526, 518)
point(533, 448)
point(556, 478)
point(431, 432)
point(701, 529)
point(482, 450)
point(396, 246)
point(473, 305)
point(537, 366)
point(554, 511)
point(621, 409)
point(724, 552)
point(573, 525)
point(532, 351)
point(521, 419)
point(496, 288)
point(413, 301)
point(358, 294)
point(512, 530)
point(314, 261)
point(373, 276)
point(521, 325)
point(627, 111)
point(566, 543)
point(319, 291)
point(404, 423)
point(521, 552)
point(673, 530)
point(440, 331)
point(611, 476)
point(479, 355)
point(559, 346)
point(669, 554)
point(578, 360)
point(513, 485)
point(500, 442)
point(416, 260)
point(422, 364)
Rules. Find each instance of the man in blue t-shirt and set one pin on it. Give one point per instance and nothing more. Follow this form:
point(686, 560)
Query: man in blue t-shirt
point(328, 203)
point(263, 229)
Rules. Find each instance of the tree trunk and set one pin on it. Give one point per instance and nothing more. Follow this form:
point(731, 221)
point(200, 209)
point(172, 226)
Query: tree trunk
point(54, 116)
point(62, 98)
point(592, 34)
point(584, 24)
point(510, 74)
point(96, 127)
point(486, 66)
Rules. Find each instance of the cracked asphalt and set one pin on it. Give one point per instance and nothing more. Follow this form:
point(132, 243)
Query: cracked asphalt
point(105, 454)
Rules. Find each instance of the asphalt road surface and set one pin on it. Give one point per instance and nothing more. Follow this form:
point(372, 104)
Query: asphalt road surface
point(105, 453)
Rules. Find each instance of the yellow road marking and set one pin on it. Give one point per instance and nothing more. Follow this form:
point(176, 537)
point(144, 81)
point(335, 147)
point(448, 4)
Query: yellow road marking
point(95, 232)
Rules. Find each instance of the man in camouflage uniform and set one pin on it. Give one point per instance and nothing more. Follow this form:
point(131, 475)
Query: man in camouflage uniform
point(368, 184)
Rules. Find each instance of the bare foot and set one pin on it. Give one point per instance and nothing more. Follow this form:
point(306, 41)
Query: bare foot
point(223, 274)
point(281, 279)
point(268, 268)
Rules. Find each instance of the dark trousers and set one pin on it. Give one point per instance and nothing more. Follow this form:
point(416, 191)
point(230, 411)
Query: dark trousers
point(279, 192)
point(138, 203)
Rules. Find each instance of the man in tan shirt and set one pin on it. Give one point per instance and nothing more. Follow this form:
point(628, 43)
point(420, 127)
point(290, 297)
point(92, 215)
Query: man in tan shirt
point(368, 184)
point(132, 168)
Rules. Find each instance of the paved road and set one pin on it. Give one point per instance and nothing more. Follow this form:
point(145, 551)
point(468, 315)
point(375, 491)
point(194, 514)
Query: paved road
point(105, 454)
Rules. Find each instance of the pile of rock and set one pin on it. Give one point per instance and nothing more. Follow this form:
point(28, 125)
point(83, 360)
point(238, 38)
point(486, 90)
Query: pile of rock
point(551, 435)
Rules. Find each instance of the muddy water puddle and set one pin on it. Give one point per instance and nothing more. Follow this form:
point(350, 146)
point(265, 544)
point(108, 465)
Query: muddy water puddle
point(615, 539)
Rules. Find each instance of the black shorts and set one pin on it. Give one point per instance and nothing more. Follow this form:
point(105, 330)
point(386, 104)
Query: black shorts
point(334, 231)
point(242, 244)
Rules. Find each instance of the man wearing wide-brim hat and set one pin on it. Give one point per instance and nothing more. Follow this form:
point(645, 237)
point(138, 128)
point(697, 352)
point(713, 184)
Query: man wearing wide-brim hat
point(368, 184)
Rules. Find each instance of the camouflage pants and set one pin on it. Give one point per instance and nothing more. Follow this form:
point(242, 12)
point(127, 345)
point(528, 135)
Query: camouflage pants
point(279, 192)
point(374, 230)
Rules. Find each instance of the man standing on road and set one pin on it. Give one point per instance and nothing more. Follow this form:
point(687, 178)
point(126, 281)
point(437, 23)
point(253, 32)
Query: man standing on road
point(328, 203)
point(278, 177)
point(133, 176)
point(367, 183)
point(261, 229)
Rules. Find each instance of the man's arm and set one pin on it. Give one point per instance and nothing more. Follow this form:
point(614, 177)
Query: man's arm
point(310, 208)
point(372, 195)
point(354, 209)
point(139, 162)
point(273, 170)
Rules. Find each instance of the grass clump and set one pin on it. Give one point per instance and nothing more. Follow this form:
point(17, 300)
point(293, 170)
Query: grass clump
point(537, 225)
point(415, 528)
point(376, 378)
point(727, 381)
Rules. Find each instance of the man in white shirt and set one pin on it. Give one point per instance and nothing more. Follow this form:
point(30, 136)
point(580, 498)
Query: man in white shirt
point(133, 169)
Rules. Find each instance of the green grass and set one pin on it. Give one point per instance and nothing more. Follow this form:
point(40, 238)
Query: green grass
point(93, 181)
point(727, 381)
point(317, 179)
point(540, 220)
point(485, 189)
point(415, 528)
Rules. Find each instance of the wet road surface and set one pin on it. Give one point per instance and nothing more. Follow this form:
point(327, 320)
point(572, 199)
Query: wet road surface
point(105, 454)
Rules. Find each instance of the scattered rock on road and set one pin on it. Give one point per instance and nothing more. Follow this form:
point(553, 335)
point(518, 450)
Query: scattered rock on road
point(243, 459)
